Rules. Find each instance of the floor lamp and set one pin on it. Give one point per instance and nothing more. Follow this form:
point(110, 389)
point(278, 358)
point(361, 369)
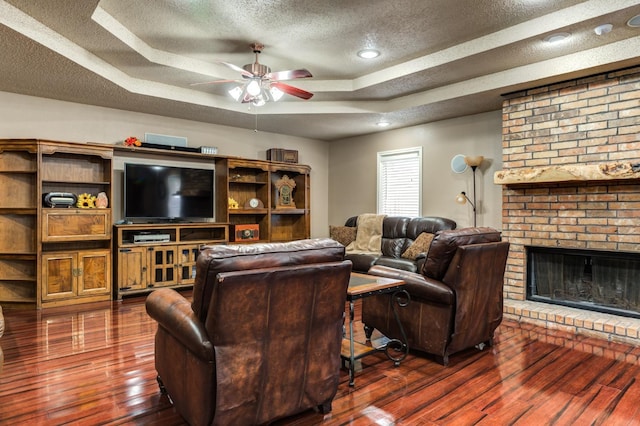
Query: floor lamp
point(462, 197)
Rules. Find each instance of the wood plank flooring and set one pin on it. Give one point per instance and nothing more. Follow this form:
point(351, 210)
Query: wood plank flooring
point(93, 365)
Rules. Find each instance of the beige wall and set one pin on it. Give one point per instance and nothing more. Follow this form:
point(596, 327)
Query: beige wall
point(343, 172)
point(352, 181)
point(31, 117)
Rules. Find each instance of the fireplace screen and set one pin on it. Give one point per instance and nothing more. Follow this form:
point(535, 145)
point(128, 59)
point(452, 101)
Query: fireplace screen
point(599, 281)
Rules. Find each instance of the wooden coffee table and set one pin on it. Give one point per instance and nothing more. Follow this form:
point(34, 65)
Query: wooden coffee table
point(361, 286)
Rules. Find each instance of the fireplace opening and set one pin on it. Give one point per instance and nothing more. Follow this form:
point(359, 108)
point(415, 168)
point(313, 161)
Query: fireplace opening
point(598, 281)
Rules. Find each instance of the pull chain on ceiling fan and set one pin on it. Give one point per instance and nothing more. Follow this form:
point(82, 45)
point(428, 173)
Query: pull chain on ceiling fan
point(260, 85)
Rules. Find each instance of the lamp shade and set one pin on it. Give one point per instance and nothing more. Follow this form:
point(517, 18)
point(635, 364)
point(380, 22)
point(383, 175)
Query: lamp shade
point(276, 93)
point(236, 93)
point(253, 88)
point(473, 160)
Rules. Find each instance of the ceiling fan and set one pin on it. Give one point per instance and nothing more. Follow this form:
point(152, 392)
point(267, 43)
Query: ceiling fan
point(260, 85)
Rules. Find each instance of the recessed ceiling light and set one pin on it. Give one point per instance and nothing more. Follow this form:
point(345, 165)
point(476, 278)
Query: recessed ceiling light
point(368, 53)
point(603, 29)
point(383, 124)
point(634, 22)
point(557, 37)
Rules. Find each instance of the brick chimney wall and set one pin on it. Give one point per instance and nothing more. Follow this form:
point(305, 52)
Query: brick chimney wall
point(592, 120)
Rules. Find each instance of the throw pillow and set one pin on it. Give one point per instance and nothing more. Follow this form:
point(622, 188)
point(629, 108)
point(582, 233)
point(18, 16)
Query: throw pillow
point(345, 235)
point(420, 245)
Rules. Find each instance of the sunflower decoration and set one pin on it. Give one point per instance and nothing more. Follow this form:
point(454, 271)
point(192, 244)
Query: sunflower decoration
point(86, 201)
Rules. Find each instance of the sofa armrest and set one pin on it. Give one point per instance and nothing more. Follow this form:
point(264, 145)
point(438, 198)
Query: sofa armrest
point(397, 263)
point(418, 285)
point(174, 314)
point(361, 262)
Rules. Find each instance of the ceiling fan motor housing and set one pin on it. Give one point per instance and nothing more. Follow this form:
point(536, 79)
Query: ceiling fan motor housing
point(257, 69)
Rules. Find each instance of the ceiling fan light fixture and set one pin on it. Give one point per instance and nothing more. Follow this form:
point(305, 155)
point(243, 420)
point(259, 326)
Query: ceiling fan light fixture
point(368, 53)
point(236, 93)
point(259, 85)
point(276, 94)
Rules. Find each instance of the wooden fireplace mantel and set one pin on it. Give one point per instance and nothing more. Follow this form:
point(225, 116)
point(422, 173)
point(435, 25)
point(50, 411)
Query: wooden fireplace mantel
point(568, 173)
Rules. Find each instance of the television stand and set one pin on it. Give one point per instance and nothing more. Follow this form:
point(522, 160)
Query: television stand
point(175, 220)
point(157, 255)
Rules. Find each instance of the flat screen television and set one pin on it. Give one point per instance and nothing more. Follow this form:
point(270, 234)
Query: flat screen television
point(165, 193)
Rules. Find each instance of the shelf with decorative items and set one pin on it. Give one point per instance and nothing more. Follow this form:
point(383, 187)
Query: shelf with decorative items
point(258, 210)
point(291, 211)
point(245, 186)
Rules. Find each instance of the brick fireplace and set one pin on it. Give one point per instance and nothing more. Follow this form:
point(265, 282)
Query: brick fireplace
point(571, 179)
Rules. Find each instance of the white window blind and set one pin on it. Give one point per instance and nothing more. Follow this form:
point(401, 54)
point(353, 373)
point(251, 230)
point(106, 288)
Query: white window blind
point(400, 182)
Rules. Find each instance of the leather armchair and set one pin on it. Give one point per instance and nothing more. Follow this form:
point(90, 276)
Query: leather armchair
point(261, 339)
point(456, 301)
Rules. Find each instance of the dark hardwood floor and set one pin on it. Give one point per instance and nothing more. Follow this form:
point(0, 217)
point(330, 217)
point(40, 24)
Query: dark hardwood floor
point(93, 364)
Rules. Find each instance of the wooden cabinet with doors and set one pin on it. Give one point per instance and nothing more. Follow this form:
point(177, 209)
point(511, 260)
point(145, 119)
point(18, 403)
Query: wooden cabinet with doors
point(54, 254)
point(76, 274)
point(150, 256)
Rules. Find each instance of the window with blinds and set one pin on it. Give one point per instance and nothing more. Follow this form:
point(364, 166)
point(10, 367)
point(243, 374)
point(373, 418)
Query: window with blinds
point(400, 182)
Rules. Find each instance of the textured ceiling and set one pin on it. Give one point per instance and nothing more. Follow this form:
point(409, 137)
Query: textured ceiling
point(439, 58)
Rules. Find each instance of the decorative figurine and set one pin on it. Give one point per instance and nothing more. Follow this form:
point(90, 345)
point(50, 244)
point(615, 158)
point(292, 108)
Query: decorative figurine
point(101, 200)
point(132, 141)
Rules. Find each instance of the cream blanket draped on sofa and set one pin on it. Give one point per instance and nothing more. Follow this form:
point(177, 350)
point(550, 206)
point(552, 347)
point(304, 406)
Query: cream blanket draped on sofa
point(368, 234)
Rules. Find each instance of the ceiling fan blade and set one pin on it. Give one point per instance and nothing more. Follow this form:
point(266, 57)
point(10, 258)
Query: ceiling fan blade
point(293, 91)
point(236, 68)
point(213, 82)
point(289, 74)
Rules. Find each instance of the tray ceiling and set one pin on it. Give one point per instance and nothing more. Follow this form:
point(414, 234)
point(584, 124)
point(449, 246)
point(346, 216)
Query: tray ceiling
point(439, 59)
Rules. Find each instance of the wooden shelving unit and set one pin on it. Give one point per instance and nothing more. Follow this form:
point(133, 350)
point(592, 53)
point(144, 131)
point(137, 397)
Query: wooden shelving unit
point(53, 256)
point(291, 223)
point(18, 222)
point(60, 256)
point(244, 180)
point(75, 243)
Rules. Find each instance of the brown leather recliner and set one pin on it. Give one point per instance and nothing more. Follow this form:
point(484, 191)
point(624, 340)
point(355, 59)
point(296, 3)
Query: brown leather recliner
point(262, 338)
point(455, 303)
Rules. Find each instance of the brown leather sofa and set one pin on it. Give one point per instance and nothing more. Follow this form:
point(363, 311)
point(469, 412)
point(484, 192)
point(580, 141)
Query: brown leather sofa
point(398, 233)
point(455, 302)
point(261, 339)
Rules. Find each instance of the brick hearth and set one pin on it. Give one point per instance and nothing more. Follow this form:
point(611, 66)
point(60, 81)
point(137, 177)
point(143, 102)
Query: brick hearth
point(586, 121)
